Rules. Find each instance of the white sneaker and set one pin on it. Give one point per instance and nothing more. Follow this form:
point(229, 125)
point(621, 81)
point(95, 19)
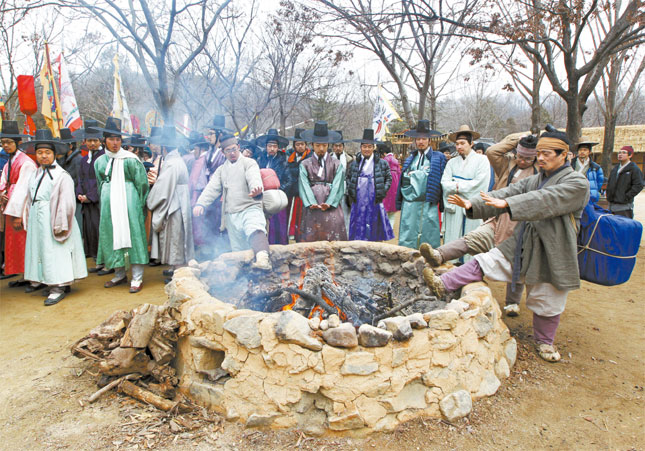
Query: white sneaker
point(512, 310)
point(262, 261)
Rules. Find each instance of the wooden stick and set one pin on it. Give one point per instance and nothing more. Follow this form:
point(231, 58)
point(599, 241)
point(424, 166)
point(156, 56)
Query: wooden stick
point(310, 297)
point(109, 387)
point(401, 307)
point(148, 397)
point(85, 353)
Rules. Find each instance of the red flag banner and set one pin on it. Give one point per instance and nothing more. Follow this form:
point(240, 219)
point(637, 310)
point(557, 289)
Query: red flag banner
point(27, 95)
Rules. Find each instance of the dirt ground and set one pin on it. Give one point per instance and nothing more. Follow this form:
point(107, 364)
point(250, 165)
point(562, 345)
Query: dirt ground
point(593, 399)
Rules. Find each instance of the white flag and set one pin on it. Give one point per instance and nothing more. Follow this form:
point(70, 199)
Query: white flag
point(119, 104)
point(384, 113)
point(69, 107)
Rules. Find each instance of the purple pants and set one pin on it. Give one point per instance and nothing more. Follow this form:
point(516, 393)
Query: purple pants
point(544, 327)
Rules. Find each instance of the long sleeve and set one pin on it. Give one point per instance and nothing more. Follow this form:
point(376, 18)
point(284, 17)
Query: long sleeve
point(387, 174)
point(62, 207)
point(139, 177)
point(337, 188)
point(18, 199)
point(252, 174)
point(499, 154)
point(480, 210)
point(212, 191)
point(636, 185)
point(480, 180)
point(448, 185)
point(306, 193)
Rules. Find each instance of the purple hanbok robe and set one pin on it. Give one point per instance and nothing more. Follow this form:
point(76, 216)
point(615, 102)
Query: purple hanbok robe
point(368, 220)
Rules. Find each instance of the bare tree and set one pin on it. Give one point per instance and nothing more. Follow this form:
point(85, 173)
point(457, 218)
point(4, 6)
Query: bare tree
point(553, 34)
point(160, 38)
point(412, 51)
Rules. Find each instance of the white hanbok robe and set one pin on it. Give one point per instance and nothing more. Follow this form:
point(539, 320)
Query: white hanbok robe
point(472, 175)
point(54, 249)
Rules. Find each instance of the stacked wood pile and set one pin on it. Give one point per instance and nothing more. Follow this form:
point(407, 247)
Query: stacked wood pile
point(135, 346)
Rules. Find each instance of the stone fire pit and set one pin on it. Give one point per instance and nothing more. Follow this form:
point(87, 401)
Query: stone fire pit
point(281, 369)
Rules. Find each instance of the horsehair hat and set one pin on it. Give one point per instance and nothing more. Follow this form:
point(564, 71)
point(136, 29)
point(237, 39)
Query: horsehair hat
point(168, 137)
point(90, 130)
point(44, 136)
point(112, 128)
point(66, 136)
point(197, 139)
point(320, 134)
point(10, 130)
point(586, 143)
point(464, 130)
point(218, 123)
point(341, 140)
point(136, 140)
point(422, 130)
point(445, 146)
point(368, 137)
point(272, 135)
point(155, 135)
point(297, 135)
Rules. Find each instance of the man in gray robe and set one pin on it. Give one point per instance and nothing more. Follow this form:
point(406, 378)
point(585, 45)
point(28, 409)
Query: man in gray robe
point(542, 252)
point(169, 202)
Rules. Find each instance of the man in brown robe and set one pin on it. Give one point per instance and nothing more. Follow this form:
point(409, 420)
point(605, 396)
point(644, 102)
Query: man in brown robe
point(321, 187)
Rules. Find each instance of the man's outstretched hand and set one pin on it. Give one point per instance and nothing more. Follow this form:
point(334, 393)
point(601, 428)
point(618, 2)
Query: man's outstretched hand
point(459, 201)
point(493, 201)
point(256, 191)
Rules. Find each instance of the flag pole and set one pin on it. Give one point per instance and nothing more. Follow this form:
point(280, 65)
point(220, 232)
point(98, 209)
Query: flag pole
point(59, 119)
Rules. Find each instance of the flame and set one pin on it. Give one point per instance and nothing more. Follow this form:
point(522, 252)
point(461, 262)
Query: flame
point(294, 297)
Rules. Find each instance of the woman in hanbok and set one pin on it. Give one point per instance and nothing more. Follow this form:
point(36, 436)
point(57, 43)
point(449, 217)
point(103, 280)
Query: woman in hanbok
point(54, 255)
point(368, 181)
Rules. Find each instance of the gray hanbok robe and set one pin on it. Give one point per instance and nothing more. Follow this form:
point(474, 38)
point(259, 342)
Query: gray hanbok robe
point(169, 202)
point(549, 244)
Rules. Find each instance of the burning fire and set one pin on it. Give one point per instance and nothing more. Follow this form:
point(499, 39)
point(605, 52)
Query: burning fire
point(316, 310)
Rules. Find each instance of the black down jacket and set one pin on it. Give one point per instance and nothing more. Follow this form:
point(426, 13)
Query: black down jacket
point(382, 178)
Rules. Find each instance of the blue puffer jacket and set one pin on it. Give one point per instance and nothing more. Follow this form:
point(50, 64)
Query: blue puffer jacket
point(433, 187)
point(595, 177)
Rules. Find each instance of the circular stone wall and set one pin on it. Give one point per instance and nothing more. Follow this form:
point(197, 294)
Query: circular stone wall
point(278, 370)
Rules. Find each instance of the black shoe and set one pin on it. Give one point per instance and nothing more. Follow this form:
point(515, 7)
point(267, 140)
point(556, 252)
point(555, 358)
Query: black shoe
point(95, 269)
point(18, 283)
point(32, 288)
point(56, 300)
point(168, 272)
point(154, 263)
point(105, 272)
point(167, 281)
point(7, 276)
point(48, 290)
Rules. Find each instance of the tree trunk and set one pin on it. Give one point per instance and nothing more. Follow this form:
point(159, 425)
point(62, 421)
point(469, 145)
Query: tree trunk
point(433, 105)
point(536, 106)
point(574, 119)
point(608, 143)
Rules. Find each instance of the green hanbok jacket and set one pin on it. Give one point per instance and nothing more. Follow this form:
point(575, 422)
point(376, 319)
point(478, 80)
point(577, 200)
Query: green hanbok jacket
point(136, 188)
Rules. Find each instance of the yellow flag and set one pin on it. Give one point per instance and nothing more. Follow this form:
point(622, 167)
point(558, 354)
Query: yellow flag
point(48, 105)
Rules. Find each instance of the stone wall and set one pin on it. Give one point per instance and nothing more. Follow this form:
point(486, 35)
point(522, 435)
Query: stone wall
point(275, 370)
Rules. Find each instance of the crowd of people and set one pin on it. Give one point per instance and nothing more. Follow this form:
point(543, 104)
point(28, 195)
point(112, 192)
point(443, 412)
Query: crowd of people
point(508, 211)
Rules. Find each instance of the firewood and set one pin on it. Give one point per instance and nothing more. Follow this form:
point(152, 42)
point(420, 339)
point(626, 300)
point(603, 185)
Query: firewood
point(84, 353)
point(124, 361)
point(110, 386)
point(141, 328)
point(400, 307)
point(148, 397)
